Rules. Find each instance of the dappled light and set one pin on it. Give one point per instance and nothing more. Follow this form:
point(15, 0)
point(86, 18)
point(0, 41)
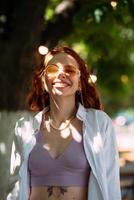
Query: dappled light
point(75, 134)
point(15, 159)
point(65, 133)
point(113, 4)
point(2, 148)
point(47, 147)
point(124, 78)
point(97, 143)
point(93, 78)
point(62, 6)
point(43, 50)
point(102, 32)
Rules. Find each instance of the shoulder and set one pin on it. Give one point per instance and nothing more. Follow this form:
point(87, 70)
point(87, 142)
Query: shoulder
point(100, 118)
point(29, 117)
point(27, 124)
point(98, 114)
point(24, 119)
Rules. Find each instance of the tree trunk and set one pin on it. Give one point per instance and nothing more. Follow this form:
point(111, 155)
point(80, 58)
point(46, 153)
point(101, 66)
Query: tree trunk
point(17, 52)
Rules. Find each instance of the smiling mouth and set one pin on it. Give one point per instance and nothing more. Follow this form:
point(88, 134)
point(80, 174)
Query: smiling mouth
point(61, 85)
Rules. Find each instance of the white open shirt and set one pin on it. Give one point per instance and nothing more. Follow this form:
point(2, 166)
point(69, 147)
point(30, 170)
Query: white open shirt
point(100, 147)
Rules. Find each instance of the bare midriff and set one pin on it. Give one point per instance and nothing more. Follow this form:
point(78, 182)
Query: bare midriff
point(58, 193)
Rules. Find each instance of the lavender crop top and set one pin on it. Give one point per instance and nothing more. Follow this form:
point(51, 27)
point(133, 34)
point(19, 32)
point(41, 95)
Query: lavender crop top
point(69, 169)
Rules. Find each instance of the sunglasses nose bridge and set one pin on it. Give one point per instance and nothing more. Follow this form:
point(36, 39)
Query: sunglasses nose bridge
point(62, 71)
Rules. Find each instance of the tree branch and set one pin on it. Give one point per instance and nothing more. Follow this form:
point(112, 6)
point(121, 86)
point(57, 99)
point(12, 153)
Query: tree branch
point(62, 23)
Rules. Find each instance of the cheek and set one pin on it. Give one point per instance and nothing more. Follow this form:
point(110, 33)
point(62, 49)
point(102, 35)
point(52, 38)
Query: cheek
point(46, 83)
point(76, 84)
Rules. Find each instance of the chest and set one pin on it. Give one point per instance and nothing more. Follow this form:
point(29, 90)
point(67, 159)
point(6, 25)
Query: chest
point(56, 142)
point(61, 147)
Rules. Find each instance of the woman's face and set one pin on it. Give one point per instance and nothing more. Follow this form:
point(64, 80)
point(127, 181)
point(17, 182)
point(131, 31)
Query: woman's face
point(62, 75)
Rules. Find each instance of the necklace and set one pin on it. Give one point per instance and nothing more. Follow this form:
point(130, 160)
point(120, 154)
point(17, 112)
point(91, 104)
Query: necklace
point(65, 126)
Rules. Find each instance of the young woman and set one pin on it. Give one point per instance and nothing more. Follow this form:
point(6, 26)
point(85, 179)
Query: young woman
point(68, 150)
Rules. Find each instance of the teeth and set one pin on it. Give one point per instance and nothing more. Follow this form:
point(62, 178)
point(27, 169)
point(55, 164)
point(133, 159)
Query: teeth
point(61, 84)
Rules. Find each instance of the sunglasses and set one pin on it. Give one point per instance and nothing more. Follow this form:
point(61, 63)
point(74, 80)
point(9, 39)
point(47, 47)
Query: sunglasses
point(53, 70)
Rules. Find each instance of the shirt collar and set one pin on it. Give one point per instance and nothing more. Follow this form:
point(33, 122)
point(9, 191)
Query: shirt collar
point(81, 112)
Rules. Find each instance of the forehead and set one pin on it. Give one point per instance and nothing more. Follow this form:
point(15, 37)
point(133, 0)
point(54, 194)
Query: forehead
point(62, 59)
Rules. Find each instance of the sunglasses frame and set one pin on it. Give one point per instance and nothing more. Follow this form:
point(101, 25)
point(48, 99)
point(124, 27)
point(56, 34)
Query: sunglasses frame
point(45, 71)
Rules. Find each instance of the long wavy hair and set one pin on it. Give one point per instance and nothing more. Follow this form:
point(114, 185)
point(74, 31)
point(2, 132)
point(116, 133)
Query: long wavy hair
point(38, 98)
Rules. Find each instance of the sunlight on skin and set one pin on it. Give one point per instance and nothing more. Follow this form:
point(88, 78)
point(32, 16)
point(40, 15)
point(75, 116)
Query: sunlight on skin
point(65, 133)
point(76, 135)
point(44, 80)
point(47, 146)
point(47, 59)
point(54, 89)
point(48, 126)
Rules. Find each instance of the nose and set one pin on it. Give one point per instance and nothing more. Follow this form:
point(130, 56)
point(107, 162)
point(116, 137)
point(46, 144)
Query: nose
point(61, 74)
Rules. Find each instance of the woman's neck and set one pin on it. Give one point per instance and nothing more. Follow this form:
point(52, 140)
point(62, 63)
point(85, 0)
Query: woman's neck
point(62, 110)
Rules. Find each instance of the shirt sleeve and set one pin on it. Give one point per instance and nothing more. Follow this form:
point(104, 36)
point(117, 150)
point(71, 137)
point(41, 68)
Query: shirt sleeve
point(112, 161)
point(15, 163)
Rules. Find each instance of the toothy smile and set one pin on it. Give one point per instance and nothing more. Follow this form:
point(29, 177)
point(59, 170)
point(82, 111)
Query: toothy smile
point(60, 84)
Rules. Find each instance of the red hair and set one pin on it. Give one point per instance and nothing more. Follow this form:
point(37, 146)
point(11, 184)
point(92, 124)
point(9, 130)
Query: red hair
point(38, 98)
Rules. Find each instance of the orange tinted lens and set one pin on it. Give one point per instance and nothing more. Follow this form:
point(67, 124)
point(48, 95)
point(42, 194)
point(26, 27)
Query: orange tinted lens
point(51, 70)
point(70, 70)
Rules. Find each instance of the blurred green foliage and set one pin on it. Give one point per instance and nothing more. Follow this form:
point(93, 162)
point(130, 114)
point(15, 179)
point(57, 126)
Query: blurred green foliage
point(50, 11)
point(101, 31)
point(104, 36)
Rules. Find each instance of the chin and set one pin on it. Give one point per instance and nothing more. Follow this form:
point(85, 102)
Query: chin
point(64, 91)
point(57, 91)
